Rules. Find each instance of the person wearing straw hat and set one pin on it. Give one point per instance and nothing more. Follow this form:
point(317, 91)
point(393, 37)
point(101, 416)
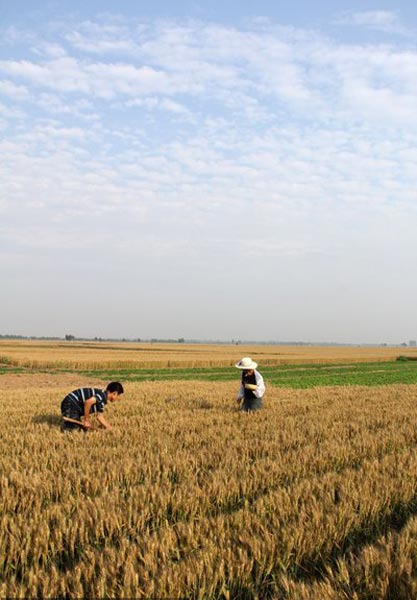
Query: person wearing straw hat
point(252, 387)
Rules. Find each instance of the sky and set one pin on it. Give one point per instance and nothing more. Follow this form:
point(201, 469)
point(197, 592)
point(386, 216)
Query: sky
point(213, 170)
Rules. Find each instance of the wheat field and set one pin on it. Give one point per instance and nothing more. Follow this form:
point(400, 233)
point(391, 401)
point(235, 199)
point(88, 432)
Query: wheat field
point(315, 497)
point(39, 354)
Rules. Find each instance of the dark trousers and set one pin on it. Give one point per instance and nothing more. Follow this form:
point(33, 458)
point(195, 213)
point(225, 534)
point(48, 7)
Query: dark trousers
point(251, 404)
point(69, 410)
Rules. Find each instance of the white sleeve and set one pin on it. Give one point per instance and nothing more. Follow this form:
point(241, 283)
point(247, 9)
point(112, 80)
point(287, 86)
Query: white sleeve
point(260, 385)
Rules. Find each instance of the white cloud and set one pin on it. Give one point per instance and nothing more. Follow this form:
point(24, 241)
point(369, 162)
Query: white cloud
point(217, 64)
point(9, 113)
point(379, 104)
point(152, 103)
point(102, 38)
point(383, 20)
point(50, 50)
point(12, 90)
point(98, 79)
point(101, 46)
point(54, 104)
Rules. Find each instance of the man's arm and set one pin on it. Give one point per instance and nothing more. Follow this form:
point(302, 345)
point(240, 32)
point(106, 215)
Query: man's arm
point(87, 407)
point(103, 421)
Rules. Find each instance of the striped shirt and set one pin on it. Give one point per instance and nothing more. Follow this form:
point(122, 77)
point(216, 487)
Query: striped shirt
point(77, 399)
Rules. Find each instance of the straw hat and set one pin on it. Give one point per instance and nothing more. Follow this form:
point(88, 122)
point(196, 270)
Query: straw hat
point(246, 363)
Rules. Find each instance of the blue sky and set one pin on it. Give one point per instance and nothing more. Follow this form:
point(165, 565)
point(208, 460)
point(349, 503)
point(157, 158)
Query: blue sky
point(211, 170)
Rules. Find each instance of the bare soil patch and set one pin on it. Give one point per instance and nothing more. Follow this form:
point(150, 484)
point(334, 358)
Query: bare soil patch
point(9, 381)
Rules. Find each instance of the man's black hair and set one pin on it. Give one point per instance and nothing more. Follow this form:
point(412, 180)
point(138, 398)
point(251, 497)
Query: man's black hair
point(115, 386)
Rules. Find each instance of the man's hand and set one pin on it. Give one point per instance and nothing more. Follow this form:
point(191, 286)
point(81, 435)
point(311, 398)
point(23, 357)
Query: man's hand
point(87, 424)
point(105, 424)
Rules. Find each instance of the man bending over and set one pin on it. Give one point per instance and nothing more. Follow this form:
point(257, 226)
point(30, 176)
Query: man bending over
point(78, 405)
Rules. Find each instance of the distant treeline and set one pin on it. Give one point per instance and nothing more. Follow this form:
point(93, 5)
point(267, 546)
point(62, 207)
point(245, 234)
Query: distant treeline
point(72, 338)
point(27, 337)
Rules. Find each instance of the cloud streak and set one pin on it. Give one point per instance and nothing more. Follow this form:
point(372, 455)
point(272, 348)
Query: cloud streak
point(381, 20)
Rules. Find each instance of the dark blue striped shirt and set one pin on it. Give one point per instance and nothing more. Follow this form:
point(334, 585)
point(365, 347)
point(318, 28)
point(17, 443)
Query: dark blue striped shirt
point(78, 398)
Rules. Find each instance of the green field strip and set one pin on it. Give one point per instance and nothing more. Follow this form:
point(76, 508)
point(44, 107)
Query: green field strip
point(4, 370)
point(293, 376)
point(297, 376)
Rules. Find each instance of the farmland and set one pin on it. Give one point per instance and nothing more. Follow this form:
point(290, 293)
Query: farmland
point(80, 355)
point(314, 497)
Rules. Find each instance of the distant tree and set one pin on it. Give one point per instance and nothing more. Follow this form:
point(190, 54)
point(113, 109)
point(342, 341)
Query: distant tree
point(69, 337)
point(181, 340)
